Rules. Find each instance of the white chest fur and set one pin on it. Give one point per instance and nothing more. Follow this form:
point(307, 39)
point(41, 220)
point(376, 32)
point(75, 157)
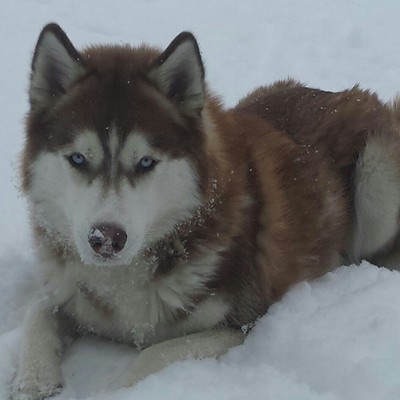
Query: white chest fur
point(129, 305)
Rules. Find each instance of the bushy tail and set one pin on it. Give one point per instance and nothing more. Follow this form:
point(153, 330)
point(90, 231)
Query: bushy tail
point(377, 198)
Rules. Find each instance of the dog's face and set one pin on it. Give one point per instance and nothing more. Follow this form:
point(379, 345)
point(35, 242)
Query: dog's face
point(114, 144)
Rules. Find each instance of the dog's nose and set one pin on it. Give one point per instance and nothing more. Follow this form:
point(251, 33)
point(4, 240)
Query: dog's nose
point(107, 239)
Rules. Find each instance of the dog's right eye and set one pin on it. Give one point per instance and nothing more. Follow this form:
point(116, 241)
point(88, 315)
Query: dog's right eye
point(77, 160)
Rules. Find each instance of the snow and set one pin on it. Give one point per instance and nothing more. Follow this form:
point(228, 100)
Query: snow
point(335, 338)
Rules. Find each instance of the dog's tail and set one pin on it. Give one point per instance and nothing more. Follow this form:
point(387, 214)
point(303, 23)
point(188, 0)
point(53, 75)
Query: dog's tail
point(376, 235)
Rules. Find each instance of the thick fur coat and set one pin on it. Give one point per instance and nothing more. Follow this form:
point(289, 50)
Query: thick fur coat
point(162, 217)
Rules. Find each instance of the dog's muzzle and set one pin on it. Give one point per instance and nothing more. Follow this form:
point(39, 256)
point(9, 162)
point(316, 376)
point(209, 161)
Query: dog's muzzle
point(107, 240)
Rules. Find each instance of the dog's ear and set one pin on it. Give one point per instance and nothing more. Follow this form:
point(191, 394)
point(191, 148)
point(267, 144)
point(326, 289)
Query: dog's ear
point(56, 65)
point(179, 74)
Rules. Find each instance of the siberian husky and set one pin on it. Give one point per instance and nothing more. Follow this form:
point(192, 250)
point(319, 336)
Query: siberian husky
point(161, 217)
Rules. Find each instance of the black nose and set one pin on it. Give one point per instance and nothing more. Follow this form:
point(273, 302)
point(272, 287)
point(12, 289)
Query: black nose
point(107, 239)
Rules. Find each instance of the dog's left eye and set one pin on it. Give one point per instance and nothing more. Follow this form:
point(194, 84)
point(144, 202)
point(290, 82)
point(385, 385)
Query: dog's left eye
point(77, 159)
point(146, 163)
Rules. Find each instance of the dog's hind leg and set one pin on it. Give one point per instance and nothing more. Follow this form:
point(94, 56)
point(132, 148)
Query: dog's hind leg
point(377, 202)
point(206, 344)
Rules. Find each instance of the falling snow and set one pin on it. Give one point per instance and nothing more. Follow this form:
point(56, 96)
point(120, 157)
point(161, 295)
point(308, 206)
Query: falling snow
point(336, 338)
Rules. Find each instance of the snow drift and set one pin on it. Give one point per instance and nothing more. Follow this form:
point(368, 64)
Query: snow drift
point(335, 338)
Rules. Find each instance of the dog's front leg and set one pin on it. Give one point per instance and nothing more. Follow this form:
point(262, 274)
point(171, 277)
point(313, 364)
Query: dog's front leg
point(212, 343)
point(39, 375)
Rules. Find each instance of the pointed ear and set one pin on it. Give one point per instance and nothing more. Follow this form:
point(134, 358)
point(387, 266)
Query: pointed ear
point(56, 65)
point(179, 74)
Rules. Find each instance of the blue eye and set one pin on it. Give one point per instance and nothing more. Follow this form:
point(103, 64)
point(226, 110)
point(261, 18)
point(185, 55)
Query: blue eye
point(77, 159)
point(147, 163)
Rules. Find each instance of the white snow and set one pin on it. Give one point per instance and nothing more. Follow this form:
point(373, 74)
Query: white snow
point(336, 338)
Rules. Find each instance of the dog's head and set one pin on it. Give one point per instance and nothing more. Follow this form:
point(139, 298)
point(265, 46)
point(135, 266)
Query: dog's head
point(114, 157)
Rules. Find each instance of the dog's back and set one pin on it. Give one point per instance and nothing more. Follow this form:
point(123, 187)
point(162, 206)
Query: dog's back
point(159, 214)
point(360, 137)
point(300, 204)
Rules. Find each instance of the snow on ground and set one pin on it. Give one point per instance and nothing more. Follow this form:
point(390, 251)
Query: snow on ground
point(336, 338)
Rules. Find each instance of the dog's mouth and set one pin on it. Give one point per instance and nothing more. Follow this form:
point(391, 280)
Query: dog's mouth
point(107, 259)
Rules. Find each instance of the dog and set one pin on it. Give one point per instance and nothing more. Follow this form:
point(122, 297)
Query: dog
point(164, 221)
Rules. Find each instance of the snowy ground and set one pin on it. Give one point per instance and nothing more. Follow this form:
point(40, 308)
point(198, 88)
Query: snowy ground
point(337, 338)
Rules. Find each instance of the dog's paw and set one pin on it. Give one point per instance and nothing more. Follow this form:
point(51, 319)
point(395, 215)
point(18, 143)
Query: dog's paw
point(35, 387)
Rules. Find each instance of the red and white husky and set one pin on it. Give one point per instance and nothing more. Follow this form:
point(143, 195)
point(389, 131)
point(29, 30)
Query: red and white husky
point(158, 214)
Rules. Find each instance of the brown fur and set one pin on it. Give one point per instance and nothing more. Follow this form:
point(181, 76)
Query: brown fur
point(292, 182)
point(275, 171)
point(335, 124)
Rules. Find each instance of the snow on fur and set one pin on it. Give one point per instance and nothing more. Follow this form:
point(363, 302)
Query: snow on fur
point(335, 338)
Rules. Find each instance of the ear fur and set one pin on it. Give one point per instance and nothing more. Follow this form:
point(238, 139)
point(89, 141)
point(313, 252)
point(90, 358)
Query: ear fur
point(56, 65)
point(179, 74)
